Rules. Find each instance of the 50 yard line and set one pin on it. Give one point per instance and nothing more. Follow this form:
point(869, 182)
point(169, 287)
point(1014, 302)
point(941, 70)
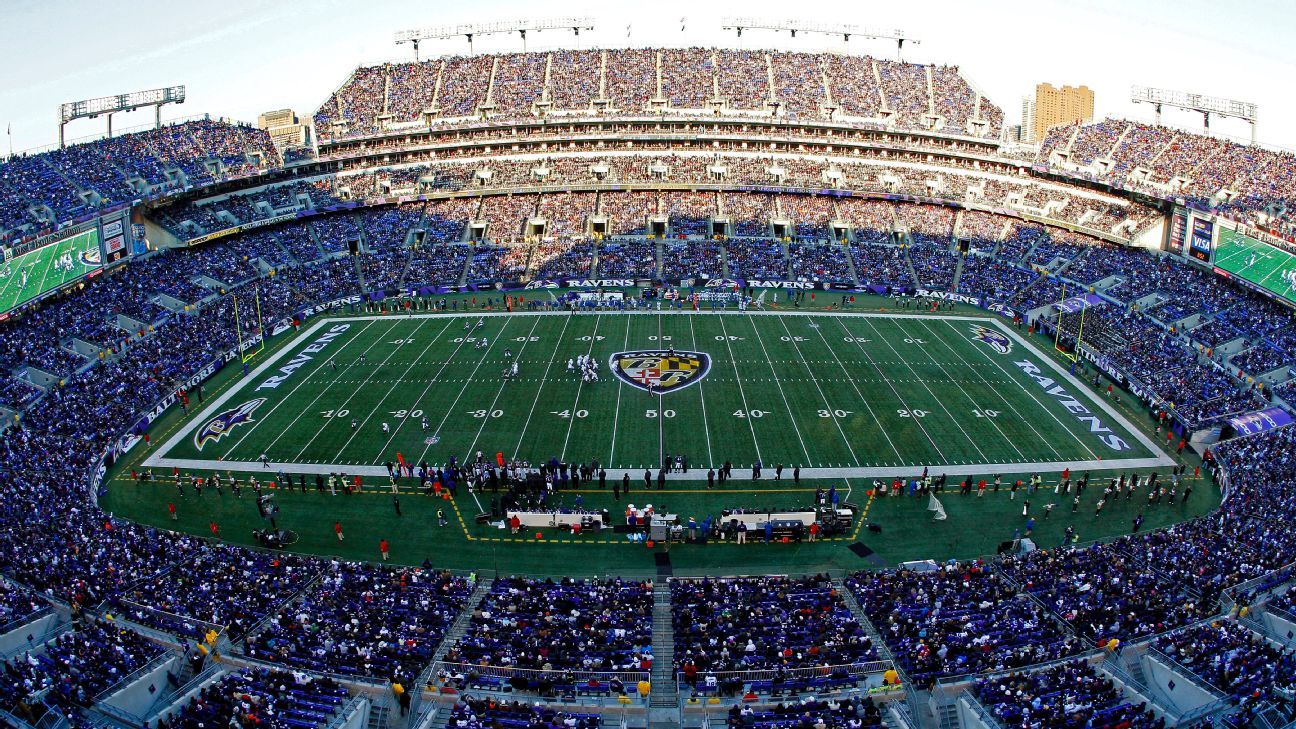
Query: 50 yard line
point(701, 395)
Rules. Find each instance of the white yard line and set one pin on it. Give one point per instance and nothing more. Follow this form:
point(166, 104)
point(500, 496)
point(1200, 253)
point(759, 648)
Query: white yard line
point(396, 383)
point(891, 385)
point(423, 393)
point(940, 402)
point(1079, 389)
point(616, 415)
point(543, 380)
point(1007, 402)
point(571, 421)
point(320, 367)
point(822, 396)
point(796, 428)
point(448, 411)
point(354, 391)
point(867, 406)
point(951, 378)
point(702, 395)
point(503, 384)
point(733, 362)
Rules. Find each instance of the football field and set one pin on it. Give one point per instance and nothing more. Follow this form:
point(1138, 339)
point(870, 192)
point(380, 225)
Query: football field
point(1260, 263)
point(26, 276)
point(837, 395)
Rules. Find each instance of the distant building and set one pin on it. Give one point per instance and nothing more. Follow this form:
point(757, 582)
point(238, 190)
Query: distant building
point(285, 129)
point(1026, 130)
point(1053, 106)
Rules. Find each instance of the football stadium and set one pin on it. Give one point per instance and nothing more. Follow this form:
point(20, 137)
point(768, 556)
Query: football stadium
point(710, 378)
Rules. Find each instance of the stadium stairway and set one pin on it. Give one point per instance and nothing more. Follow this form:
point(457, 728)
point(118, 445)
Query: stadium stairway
point(663, 700)
point(850, 262)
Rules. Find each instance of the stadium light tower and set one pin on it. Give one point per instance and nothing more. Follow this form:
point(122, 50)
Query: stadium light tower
point(1204, 105)
point(471, 30)
point(796, 26)
point(109, 105)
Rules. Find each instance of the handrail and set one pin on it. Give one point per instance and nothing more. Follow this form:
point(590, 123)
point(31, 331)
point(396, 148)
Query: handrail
point(629, 678)
point(982, 712)
point(133, 675)
point(850, 669)
point(1185, 671)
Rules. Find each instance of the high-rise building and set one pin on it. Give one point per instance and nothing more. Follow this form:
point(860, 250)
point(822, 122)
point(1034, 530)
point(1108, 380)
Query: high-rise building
point(1026, 132)
point(284, 128)
point(1054, 106)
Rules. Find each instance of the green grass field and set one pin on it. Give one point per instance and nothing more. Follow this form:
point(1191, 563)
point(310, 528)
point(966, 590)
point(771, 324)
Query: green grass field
point(837, 395)
point(858, 370)
point(24, 277)
point(1272, 269)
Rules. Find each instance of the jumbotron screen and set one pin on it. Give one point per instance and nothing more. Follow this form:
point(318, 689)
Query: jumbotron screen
point(32, 274)
point(1266, 266)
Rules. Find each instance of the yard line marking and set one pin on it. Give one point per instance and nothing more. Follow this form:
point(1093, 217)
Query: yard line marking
point(1041, 404)
point(661, 418)
point(741, 392)
point(1048, 442)
point(702, 394)
point(354, 391)
point(471, 376)
point(318, 368)
point(927, 387)
point(822, 396)
point(863, 399)
point(545, 378)
point(859, 345)
point(783, 394)
point(396, 383)
point(965, 394)
point(616, 416)
point(503, 383)
point(571, 422)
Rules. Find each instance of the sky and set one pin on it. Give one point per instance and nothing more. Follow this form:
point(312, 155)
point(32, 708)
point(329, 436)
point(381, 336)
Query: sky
point(239, 58)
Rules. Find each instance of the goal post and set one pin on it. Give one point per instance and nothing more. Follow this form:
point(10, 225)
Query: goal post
point(248, 353)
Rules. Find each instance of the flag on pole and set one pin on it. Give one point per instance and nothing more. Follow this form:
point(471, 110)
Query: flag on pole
point(934, 504)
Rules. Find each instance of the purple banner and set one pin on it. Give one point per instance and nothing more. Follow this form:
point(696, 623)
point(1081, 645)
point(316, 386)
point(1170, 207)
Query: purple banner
point(1260, 421)
point(1076, 303)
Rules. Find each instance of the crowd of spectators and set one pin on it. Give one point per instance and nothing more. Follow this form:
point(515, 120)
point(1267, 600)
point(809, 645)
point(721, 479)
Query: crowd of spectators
point(263, 698)
point(559, 625)
point(960, 619)
point(362, 620)
point(916, 97)
point(39, 190)
point(1070, 694)
point(1234, 660)
point(750, 623)
point(1174, 163)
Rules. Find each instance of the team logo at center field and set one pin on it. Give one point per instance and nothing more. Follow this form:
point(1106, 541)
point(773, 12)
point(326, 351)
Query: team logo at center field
point(660, 371)
point(996, 340)
point(220, 426)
